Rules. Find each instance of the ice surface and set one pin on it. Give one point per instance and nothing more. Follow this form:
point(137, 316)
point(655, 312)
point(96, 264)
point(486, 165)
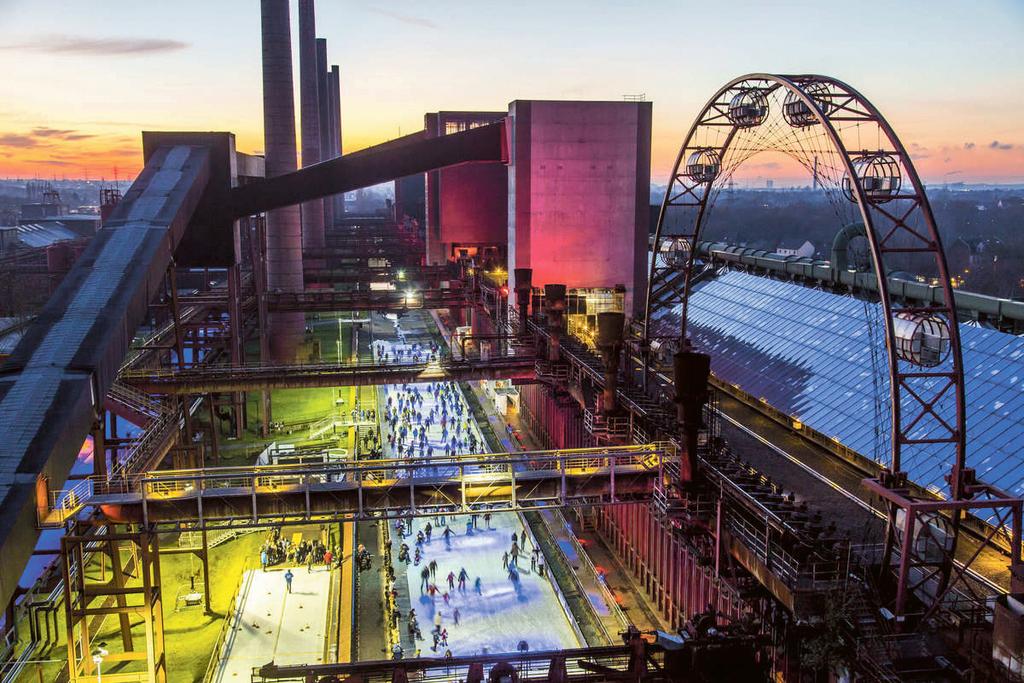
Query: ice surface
point(274, 625)
point(504, 613)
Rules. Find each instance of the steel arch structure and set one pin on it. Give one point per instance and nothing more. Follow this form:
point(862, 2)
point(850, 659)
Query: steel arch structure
point(810, 118)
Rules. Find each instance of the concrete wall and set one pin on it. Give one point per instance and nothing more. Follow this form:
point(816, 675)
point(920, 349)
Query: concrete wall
point(578, 194)
point(466, 205)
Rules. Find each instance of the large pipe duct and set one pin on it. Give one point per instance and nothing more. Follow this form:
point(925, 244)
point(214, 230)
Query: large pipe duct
point(284, 227)
point(309, 98)
point(609, 340)
point(524, 288)
point(554, 307)
point(691, 372)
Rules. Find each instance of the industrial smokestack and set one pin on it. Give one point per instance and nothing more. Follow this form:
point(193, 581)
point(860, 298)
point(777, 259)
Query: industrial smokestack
point(312, 211)
point(324, 104)
point(284, 228)
point(334, 105)
point(335, 89)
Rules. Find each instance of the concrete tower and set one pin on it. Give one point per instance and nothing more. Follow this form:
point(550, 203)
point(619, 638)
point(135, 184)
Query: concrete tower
point(284, 228)
point(313, 211)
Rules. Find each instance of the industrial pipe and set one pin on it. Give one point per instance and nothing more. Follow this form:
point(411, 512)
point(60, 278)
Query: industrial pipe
point(524, 287)
point(609, 341)
point(691, 372)
point(554, 307)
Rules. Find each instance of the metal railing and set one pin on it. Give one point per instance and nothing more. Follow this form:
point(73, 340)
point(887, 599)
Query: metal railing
point(168, 482)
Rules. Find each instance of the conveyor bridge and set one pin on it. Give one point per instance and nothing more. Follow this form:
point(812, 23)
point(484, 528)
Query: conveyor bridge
point(382, 488)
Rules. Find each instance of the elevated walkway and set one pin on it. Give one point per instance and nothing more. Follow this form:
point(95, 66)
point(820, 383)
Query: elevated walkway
point(225, 378)
point(229, 496)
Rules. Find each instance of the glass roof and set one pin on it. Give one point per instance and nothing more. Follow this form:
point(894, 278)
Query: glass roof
point(812, 354)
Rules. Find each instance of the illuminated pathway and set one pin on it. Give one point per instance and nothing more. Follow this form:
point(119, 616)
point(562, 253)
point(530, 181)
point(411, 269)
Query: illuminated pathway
point(503, 614)
point(272, 625)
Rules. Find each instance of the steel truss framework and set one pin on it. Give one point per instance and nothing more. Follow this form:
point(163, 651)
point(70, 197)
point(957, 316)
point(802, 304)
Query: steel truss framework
point(133, 590)
point(855, 156)
point(392, 488)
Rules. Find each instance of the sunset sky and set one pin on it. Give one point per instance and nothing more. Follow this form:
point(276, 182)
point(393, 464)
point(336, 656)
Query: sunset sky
point(80, 79)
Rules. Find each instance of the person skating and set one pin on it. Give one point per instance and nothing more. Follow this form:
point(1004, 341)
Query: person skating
point(451, 581)
point(463, 575)
point(533, 559)
point(420, 537)
point(288, 576)
point(477, 587)
point(448, 534)
point(444, 637)
point(504, 560)
point(455, 616)
point(429, 529)
point(487, 519)
point(418, 556)
point(437, 637)
point(433, 569)
point(424, 580)
point(515, 554)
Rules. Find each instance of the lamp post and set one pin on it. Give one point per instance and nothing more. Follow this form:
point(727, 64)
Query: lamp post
point(97, 659)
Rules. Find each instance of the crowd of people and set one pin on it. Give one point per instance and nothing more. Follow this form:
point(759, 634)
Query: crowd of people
point(415, 353)
point(430, 418)
point(453, 583)
point(279, 550)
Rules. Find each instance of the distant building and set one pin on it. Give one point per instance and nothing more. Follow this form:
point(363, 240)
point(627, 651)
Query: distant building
point(40, 210)
point(8, 238)
point(467, 204)
point(805, 250)
point(578, 194)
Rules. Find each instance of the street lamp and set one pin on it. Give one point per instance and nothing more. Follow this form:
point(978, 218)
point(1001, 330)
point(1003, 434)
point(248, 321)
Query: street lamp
point(97, 659)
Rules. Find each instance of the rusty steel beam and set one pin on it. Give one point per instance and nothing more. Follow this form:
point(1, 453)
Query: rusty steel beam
point(215, 379)
point(395, 300)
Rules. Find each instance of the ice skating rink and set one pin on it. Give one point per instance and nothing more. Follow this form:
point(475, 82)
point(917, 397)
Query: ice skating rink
point(274, 625)
point(504, 614)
